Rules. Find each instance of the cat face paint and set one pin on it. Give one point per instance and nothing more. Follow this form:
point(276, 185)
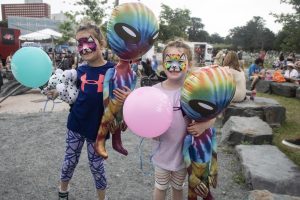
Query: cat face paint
point(176, 62)
point(86, 45)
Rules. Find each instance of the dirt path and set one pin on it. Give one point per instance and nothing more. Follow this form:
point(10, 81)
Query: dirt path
point(32, 147)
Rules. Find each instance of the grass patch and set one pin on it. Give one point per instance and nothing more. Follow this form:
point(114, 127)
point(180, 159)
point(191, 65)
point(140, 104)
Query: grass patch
point(290, 128)
point(239, 178)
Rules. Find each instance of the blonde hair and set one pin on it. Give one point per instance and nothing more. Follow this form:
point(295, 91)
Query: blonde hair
point(179, 43)
point(95, 31)
point(231, 59)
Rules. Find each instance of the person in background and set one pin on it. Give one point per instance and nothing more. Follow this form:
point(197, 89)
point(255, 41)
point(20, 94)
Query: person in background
point(65, 63)
point(135, 66)
point(231, 60)
point(219, 58)
point(291, 74)
point(154, 63)
point(255, 72)
point(8, 62)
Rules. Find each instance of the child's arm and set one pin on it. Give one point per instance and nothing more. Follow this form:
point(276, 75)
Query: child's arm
point(197, 128)
point(213, 172)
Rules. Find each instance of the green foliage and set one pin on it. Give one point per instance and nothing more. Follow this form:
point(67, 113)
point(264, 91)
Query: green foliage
point(216, 38)
point(245, 142)
point(3, 24)
point(67, 28)
point(195, 31)
point(254, 35)
point(93, 11)
point(173, 23)
point(239, 178)
point(290, 40)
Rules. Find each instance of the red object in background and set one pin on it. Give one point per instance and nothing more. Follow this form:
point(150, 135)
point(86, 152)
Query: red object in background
point(253, 95)
point(9, 41)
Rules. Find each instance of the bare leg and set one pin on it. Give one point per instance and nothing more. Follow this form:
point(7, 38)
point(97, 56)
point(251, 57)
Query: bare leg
point(101, 194)
point(177, 194)
point(159, 194)
point(254, 82)
point(64, 186)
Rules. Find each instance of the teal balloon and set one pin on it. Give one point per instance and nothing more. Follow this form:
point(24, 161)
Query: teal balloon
point(31, 66)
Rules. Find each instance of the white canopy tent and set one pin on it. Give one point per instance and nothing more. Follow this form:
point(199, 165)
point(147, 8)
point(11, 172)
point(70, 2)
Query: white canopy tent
point(44, 34)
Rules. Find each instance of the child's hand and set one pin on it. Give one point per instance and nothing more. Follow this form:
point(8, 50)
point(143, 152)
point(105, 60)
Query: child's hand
point(197, 128)
point(52, 94)
point(121, 94)
point(213, 180)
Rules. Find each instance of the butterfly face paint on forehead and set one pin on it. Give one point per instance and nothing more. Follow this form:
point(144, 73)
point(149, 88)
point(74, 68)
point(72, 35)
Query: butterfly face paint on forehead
point(176, 62)
point(86, 45)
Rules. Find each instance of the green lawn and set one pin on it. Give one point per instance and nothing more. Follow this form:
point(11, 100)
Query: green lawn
point(290, 128)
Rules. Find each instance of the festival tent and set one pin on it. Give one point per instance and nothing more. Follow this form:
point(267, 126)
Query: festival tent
point(44, 34)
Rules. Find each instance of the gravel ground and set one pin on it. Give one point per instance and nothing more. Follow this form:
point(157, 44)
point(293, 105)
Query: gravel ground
point(32, 149)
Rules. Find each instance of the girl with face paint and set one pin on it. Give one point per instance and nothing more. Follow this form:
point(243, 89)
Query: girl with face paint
point(168, 159)
point(86, 112)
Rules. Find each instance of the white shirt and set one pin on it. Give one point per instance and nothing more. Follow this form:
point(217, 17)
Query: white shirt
point(291, 74)
point(240, 81)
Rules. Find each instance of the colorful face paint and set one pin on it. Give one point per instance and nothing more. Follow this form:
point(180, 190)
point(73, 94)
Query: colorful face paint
point(175, 62)
point(86, 45)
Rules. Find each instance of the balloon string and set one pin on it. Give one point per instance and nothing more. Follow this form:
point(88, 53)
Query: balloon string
point(46, 102)
point(150, 158)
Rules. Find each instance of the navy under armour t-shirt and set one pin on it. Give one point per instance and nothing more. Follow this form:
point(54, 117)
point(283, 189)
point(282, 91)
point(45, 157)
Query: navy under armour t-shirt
point(86, 113)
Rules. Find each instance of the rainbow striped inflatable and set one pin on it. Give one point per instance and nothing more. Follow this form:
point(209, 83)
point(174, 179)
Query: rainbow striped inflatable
point(132, 30)
point(206, 92)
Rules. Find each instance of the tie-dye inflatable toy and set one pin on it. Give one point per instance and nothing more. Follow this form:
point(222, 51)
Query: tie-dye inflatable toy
point(131, 32)
point(206, 92)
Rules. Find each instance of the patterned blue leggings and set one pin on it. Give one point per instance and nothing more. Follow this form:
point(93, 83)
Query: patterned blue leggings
point(74, 144)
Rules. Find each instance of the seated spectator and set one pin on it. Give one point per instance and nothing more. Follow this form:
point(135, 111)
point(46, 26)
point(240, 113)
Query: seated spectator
point(218, 60)
point(255, 72)
point(231, 60)
point(291, 74)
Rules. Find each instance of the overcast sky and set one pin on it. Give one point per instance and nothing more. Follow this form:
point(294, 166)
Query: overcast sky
point(218, 16)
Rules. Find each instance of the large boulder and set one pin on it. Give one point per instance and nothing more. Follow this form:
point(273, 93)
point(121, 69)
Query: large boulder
point(269, 110)
point(265, 167)
point(298, 93)
point(246, 129)
point(261, 86)
point(284, 89)
point(266, 195)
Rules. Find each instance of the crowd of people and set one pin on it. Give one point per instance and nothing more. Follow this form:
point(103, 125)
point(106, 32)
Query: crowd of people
point(282, 70)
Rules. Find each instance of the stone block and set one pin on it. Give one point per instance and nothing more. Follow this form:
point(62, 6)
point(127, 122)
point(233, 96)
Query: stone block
point(261, 86)
point(298, 93)
point(265, 167)
point(246, 129)
point(269, 110)
point(284, 89)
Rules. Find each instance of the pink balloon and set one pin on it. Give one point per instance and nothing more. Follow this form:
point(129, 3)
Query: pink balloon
point(148, 112)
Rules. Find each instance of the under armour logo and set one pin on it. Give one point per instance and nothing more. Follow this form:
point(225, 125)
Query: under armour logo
point(99, 83)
